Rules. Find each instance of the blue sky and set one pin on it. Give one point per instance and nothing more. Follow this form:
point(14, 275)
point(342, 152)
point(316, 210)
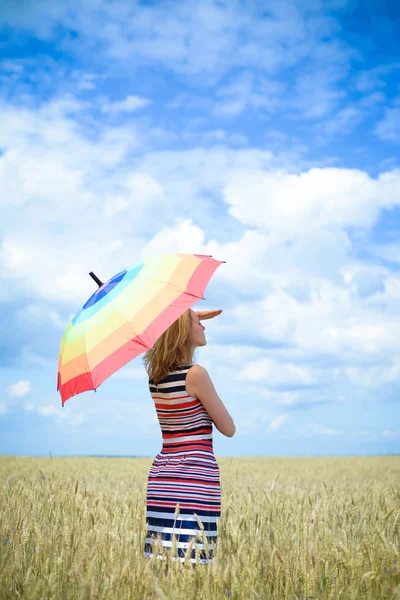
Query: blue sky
point(264, 133)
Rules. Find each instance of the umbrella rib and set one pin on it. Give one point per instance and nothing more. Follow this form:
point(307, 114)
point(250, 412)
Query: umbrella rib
point(87, 361)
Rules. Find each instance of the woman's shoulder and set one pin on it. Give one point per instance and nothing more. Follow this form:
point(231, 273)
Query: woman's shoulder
point(198, 381)
point(196, 371)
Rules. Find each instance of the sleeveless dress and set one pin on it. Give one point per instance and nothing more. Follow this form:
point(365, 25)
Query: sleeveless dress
point(183, 502)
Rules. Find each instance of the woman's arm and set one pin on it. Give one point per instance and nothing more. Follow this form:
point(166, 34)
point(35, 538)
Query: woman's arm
point(199, 385)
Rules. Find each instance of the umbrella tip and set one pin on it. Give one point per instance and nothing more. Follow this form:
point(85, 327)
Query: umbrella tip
point(97, 280)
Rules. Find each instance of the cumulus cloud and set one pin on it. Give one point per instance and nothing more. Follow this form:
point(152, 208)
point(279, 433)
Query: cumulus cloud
point(38, 317)
point(303, 310)
point(128, 105)
point(375, 78)
point(275, 374)
point(361, 434)
point(213, 40)
point(20, 389)
point(89, 180)
point(391, 434)
point(184, 237)
point(304, 290)
point(315, 429)
point(248, 91)
point(218, 33)
point(388, 129)
point(344, 120)
point(278, 421)
point(61, 171)
point(290, 206)
point(289, 265)
point(59, 414)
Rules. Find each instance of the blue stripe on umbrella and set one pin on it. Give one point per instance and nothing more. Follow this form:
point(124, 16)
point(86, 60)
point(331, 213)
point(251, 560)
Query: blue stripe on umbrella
point(97, 302)
point(104, 289)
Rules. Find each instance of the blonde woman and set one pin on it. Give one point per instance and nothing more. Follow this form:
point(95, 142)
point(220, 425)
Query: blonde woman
point(183, 492)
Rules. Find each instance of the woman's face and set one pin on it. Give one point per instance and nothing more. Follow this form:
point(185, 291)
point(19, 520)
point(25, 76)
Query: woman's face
point(197, 337)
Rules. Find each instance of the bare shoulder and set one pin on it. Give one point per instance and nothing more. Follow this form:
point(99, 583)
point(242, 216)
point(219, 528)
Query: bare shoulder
point(196, 377)
point(196, 371)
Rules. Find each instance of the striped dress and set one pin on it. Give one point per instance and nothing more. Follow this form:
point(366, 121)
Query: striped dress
point(183, 501)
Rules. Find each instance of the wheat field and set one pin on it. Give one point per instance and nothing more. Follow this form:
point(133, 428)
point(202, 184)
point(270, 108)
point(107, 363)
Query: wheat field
point(291, 528)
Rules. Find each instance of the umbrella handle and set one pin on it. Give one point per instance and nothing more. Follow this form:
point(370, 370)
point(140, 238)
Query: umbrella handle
point(97, 280)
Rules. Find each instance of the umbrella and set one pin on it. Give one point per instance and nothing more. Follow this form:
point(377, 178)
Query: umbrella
point(126, 315)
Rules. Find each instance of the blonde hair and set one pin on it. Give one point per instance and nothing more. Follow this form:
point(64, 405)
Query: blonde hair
point(171, 350)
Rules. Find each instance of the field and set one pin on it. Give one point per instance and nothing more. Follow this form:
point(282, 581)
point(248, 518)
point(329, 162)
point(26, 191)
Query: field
point(297, 528)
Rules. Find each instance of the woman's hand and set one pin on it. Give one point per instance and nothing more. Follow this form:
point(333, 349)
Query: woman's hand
point(208, 314)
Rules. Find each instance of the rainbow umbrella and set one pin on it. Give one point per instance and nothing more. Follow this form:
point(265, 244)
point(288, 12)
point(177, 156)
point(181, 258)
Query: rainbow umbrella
point(126, 315)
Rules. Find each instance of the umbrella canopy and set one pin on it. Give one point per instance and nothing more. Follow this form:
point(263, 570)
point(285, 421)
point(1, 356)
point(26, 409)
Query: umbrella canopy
point(126, 315)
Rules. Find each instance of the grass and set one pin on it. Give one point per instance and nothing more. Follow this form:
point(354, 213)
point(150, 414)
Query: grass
point(291, 528)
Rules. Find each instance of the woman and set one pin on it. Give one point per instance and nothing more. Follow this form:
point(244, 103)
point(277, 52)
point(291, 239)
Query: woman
point(183, 492)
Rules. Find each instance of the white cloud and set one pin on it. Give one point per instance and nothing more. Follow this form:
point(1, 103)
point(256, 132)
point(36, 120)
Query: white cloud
point(207, 40)
point(361, 434)
point(343, 121)
point(61, 415)
point(274, 373)
point(290, 206)
point(308, 298)
point(286, 398)
point(30, 358)
point(317, 94)
point(196, 135)
point(86, 85)
point(307, 318)
point(128, 105)
point(391, 434)
point(58, 164)
point(20, 389)
point(183, 237)
point(388, 129)
point(290, 283)
point(77, 175)
point(278, 421)
point(12, 66)
point(248, 91)
point(365, 282)
point(348, 117)
point(373, 377)
point(390, 252)
point(375, 78)
point(313, 429)
point(144, 188)
point(36, 316)
point(221, 37)
point(140, 191)
point(317, 318)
